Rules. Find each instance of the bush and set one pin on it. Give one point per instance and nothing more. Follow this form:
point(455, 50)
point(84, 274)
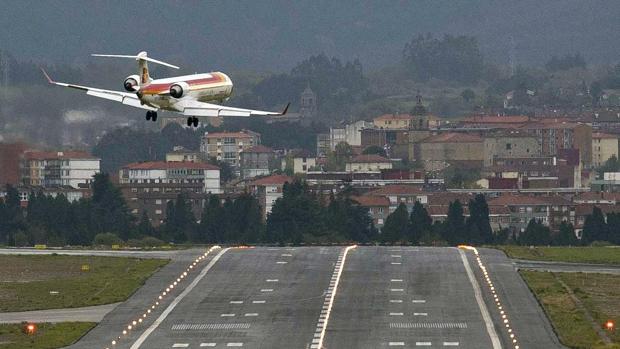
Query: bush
point(107, 239)
point(597, 243)
point(21, 239)
point(150, 241)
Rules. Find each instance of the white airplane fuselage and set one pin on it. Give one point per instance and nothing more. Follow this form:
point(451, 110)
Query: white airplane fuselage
point(165, 93)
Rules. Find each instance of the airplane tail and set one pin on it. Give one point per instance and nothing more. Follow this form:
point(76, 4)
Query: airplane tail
point(142, 58)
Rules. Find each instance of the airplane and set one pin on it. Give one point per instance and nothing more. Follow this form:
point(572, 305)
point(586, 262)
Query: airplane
point(188, 94)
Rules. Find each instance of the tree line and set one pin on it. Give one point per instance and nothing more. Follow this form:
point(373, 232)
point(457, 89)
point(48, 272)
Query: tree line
point(299, 216)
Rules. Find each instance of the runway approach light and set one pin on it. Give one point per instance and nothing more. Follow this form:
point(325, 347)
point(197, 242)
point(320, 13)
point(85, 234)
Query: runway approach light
point(609, 325)
point(29, 329)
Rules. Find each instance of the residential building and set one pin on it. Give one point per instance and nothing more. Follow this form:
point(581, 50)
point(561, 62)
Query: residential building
point(597, 198)
point(258, 160)
point(267, 190)
point(227, 146)
point(350, 133)
point(610, 183)
point(149, 186)
point(439, 151)
point(550, 210)
point(604, 146)
point(406, 122)
point(180, 154)
point(508, 145)
point(495, 122)
point(323, 144)
point(10, 155)
point(367, 163)
point(205, 177)
point(73, 169)
point(378, 207)
point(299, 161)
point(398, 193)
point(532, 172)
point(556, 136)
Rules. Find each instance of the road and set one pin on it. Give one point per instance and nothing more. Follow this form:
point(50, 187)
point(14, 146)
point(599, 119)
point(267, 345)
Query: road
point(306, 297)
point(87, 314)
point(560, 267)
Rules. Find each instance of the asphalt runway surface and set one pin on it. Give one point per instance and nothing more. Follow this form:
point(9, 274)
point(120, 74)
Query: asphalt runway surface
point(328, 297)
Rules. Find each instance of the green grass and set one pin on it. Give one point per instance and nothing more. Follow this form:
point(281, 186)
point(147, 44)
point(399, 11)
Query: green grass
point(28, 280)
point(48, 336)
point(601, 255)
point(600, 294)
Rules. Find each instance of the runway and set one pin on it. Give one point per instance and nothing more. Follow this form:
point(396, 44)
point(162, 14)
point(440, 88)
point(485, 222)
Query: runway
point(329, 297)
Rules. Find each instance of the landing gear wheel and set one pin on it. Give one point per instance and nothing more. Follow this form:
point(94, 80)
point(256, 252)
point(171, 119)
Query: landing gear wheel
point(195, 121)
point(190, 121)
point(154, 116)
point(148, 115)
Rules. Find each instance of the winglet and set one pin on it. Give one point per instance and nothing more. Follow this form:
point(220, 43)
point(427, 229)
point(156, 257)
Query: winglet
point(285, 109)
point(47, 76)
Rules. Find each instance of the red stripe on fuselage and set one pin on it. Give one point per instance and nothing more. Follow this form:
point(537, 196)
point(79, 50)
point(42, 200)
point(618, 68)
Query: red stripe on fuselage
point(158, 88)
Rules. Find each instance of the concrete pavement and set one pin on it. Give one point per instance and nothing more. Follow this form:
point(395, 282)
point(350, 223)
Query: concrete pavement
point(87, 314)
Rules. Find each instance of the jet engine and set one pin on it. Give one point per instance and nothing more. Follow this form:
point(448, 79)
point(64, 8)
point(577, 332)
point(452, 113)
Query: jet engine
point(179, 89)
point(131, 83)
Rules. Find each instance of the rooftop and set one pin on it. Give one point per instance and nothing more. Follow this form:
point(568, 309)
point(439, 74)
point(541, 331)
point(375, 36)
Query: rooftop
point(241, 134)
point(369, 158)
point(510, 200)
point(393, 117)
point(259, 149)
point(496, 119)
point(163, 165)
point(272, 180)
point(602, 135)
point(396, 189)
point(452, 137)
point(50, 155)
point(597, 196)
point(368, 201)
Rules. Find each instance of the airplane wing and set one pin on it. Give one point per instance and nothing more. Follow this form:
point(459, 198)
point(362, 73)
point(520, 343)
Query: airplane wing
point(126, 98)
point(195, 108)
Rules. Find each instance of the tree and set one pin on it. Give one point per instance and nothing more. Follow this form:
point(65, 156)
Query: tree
point(594, 227)
point(478, 224)
point(374, 150)
point(247, 222)
point(396, 225)
point(179, 223)
point(613, 225)
point(336, 160)
point(611, 165)
point(596, 91)
point(452, 58)
point(535, 234)
point(346, 220)
point(420, 223)
point(468, 95)
point(212, 222)
point(454, 226)
point(566, 236)
point(295, 216)
point(109, 210)
point(144, 227)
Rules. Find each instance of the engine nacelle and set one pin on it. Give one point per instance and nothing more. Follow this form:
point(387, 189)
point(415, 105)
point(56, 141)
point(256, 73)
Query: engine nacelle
point(179, 89)
point(131, 83)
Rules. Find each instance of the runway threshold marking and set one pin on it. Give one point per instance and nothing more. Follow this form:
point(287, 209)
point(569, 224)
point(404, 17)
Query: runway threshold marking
point(176, 301)
point(321, 325)
point(481, 305)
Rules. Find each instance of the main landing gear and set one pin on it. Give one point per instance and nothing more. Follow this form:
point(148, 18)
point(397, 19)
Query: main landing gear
point(151, 115)
point(192, 120)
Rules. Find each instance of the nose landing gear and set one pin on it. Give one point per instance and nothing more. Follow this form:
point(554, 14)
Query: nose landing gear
point(192, 121)
point(151, 115)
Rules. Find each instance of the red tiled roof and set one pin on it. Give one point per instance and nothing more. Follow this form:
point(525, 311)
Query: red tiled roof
point(271, 180)
point(593, 196)
point(396, 189)
point(452, 137)
point(603, 135)
point(496, 119)
point(369, 201)
point(586, 209)
point(228, 134)
point(46, 155)
point(259, 149)
point(550, 125)
point(163, 165)
point(369, 158)
point(508, 200)
point(445, 198)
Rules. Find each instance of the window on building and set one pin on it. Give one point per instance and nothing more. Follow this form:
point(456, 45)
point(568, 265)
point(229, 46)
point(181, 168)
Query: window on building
point(158, 202)
point(134, 190)
point(157, 211)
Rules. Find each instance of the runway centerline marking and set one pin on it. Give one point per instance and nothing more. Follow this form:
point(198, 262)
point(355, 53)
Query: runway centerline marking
point(208, 344)
point(481, 305)
point(258, 302)
point(234, 344)
point(180, 345)
point(423, 344)
point(450, 344)
point(317, 343)
point(176, 301)
point(396, 280)
point(227, 315)
point(396, 344)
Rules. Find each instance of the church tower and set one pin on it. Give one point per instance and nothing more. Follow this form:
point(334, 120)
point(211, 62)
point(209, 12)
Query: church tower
point(308, 104)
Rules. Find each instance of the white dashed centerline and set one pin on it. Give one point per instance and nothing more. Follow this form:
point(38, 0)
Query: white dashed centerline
point(207, 344)
point(234, 344)
point(396, 300)
point(236, 302)
point(227, 315)
point(251, 314)
point(418, 301)
point(396, 280)
point(258, 302)
point(396, 314)
point(450, 344)
point(267, 290)
point(396, 344)
point(180, 345)
point(423, 344)
point(272, 280)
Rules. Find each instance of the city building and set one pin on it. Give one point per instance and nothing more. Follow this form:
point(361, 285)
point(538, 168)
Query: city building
point(604, 146)
point(398, 193)
point(267, 190)
point(323, 144)
point(439, 151)
point(378, 207)
point(180, 154)
point(10, 156)
point(149, 186)
point(299, 161)
point(509, 144)
point(532, 172)
point(227, 146)
point(549, 210)
point(308, 104)
point(258, 160)
point(350, 133)
point(367, 163)
point(555, 136)
point(73, 169)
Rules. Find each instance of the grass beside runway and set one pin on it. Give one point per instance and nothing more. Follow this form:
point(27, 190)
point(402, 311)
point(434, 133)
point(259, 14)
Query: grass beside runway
point(599, 294)
point(597, 255)
point(47, 336)
point(37, 282)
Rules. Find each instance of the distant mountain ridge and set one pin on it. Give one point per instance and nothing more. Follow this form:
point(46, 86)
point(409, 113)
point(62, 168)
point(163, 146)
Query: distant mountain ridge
point(273, 35)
